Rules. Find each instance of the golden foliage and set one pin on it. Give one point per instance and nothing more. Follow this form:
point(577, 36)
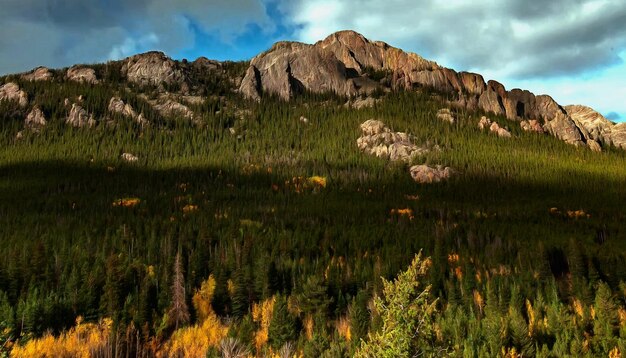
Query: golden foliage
point(202, 299)
point(622, 316)
point(578, 308)
point(406, 212)
point(478, 300)
point(196, 340)
point(453, 258)
point(317, 182)
point(83, 340)
point(262, 314)
point(190, 208)
point(126, 202)
point(615, 353)
point(343, 328)
point(308, 327)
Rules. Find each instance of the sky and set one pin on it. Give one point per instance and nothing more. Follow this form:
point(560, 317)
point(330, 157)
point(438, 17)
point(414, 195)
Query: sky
point(574, 50)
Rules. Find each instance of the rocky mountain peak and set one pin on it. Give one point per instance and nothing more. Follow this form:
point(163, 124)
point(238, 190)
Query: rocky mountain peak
point(152, 68)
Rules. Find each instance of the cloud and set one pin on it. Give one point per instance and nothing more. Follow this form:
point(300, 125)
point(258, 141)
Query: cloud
point(613, 116)
point(58, 33)
point(519, 37)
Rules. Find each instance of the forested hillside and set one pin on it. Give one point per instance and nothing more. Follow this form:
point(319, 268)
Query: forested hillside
point(239, 227)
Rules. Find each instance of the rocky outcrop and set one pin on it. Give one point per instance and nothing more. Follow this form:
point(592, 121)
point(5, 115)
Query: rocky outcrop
point(79, 117)
point(378, 140)
point(153, 68)
point(82, 74)
point(596, 128)
point(116, 105)
point(564, 128)
point(167, 106)
point(425, 174)
point(532, 125)
point(35, 119)
point(446, 115)
point(360, 103)
point(38, 74)
point(12, 92)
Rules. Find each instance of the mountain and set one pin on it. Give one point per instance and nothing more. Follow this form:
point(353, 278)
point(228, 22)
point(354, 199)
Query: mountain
point(159, 208)
point(347, 64)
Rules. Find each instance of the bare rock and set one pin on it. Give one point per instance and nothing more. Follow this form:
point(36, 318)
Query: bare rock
point(425, 174)
point(304, 120)
point(598, 128)
point(618, 135)
point(12, 92)
point(373, 127)
point(35, 120)
point(82, 74)
point(251, 84)
point(116, 105)
point(79, 117)
point(532, 125)
point(501, 132)
point(380, 141)
point(446, 115)
point(492, 100)
point(484, 123)
point(564, 128)
point(152, 68)
point(361, 103)
point(38, 74)
point(129, 158)
point(166, 105)
point(594, 146)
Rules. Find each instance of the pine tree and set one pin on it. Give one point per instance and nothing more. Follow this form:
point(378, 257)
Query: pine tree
point(282, 327)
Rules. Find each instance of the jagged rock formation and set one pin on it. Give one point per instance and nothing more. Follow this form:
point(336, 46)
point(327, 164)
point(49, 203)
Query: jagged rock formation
point(153, 68)
point(344, 61)
point(596, 128)
point(38, 74)
point(12, 92)
point(425, 174)
point(35, 120)
point(79, 117)
point(82, 74)
point(378, 140)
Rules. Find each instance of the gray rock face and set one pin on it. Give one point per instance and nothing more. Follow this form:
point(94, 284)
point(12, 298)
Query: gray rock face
point(38, 74)
point(167, 106)
point(494, 127)
point(378, 140)
point(152, 68)
point(79, 117)
point(598, 127)
point(12, 92)
point(82, 74)
point(425, 174)
point(35, 120)
point(618, 135)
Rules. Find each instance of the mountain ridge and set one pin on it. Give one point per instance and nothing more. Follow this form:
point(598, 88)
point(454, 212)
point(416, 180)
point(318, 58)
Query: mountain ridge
point(348, 64)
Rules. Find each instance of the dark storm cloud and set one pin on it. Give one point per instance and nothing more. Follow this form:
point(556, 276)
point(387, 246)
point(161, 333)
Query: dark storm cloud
point(58, 33)
point(518, 38)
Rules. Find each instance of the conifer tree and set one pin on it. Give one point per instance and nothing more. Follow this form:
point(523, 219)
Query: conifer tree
point(178, 312)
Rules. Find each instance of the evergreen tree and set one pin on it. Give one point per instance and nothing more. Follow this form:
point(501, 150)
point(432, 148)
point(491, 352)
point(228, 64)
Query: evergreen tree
point(282, 327)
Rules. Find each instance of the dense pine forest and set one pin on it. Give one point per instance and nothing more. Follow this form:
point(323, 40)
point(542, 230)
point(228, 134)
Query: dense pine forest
point(249, 232)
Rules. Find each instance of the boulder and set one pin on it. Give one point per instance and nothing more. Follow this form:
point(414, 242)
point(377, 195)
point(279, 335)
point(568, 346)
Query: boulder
point(425, 174)
point(116, 105)
point(167, 106)
point(594, 146)
point(12, 92)
point(484, 123)
point(446, 115)
point(35, 120)
point(361, 103)
point(79, 117)
point(82, 74)
point(618, 135)
point(129, 158)
point(372, 127)
point(598, 128)
point(38, 74)
point(501, 132)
